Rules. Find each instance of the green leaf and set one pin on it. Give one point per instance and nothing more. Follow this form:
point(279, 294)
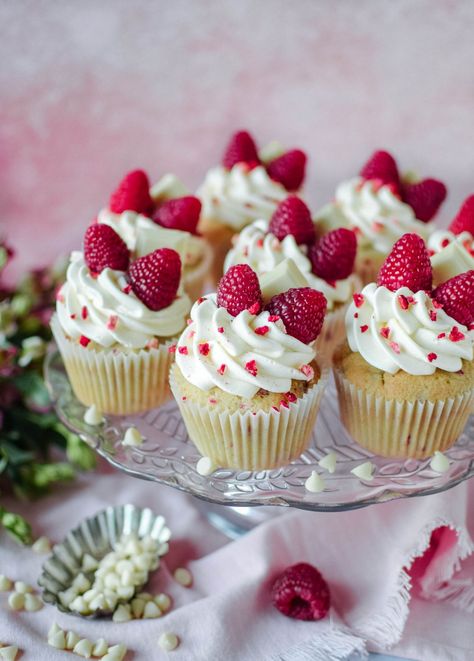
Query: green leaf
point(16, 526)
point(80, 453)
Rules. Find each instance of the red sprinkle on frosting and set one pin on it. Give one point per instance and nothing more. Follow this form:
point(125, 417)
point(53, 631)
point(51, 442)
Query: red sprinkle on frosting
point(262, 330)
point(220, 329)
point(364, 328)
point(254, 309)
point(273, 318)
point(222, 368)
point(127, 289)
point(172, 348)
point(183, 350)
point(441, 336)
point(385, 332)
point(251, 367)
point(84, 312)
point(433, 315)
point(308, 371)
point(432, 356)
point(84, 340)
point(456, 335)
point(403, 302)
point(204, 348)
point(112, 322)
point(395, 347)
point(358, 300)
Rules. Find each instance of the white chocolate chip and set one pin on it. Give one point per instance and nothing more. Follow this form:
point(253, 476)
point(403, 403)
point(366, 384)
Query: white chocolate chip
point(67, 597)
point(22, 587)
point(89, 595)
point(81, 583)
point(168, 641)
point(206, 466)
point(146, 596)
point(79, 605)
point(183, 576)
point(71, 640)
point(99, 603)
point(100, 647)
point(32, 603)
point(364, 471)
point(328, 462)
point(16, 601)
point(89, 563)
point(125, 592)
point(116, 652)
point(83, 648)
point(5, 583)
point(9, 653)
point(439, 463)
point(151, 610)
point(314, 483)
point(42, 545)
point(163, 602)
point(132, 437)
point(93, 416)
point(122, 613)
point(138, 606)
point(54, 629)
point(57, 640)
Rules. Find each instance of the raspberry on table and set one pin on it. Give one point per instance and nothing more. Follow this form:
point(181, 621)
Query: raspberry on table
point(155, 278)
point(292, 216)
point(302, 312)
point(407, 265)
point(288, 169)
point(302, 593)
point(104, 248)
point(333, 256)
point(239, 289)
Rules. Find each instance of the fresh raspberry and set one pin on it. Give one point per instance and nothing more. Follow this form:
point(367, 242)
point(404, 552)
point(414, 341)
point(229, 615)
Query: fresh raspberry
point(301, 310)
point(457, 297)
point(103, 248)
point(301, 592)
point(382, 166)
point(333, 256)
point(407, 265)
point(181, 213)
point(464, 219)
point(424, 197)
point(292, 216)
point(155, 278)
point(132, 194)
point(288, 169)
point(239, 290)
point(241, 149)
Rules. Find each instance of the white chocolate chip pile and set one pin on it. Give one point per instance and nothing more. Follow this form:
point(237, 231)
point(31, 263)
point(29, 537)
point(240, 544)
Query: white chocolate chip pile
point(8, 652)
point(71, 641)
point(23, 596)
point(110, 584)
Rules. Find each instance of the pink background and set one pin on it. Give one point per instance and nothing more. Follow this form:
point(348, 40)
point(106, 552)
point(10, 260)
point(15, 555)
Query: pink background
point(90, 90)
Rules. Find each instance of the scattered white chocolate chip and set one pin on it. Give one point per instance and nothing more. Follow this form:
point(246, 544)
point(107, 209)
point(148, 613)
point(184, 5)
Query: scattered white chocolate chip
point(315, 483)
point(32, 603)
point(116, 652)
point(168, 641)
point(100, 647)
point(22, 587)
point(132, 437)
point(53, 630)
point(151, 610)
point(183, 576)
point(93, 416)
point(57, 640)
point(5, 583)
point(163, 602)
point(83, 648)
point(146, 596)
point(205, 466)
point(122, 613)
point(71, 640)
point(364, 471)
point(79, 605)
point(138, 606)
point(16, 601)
point(67, 597)
point(439, 462)
point(42, 545)
point(328, 462)
point(9, 653)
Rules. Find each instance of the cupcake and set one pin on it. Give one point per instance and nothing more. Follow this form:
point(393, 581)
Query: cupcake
point(245, 187)
point(246, 379)
point(325, 265)
point(452, 250)
point(405, 378)
point(115, 322)
point(380, 207)
point(163, 216)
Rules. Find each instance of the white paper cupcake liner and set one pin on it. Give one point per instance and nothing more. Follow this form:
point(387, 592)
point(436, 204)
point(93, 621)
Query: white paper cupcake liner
point(334, 328)
point(118, 382)
point(248, 441)
point(394, 428)
point(195, 278)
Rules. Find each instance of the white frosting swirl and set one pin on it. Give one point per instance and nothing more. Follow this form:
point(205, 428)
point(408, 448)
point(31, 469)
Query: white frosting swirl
point(378, 216)
point(215, 349)
point(452, 254)
point(99, 309)
point(402, 330)
point(238, 196)
point(263, 252)
point(142, 236)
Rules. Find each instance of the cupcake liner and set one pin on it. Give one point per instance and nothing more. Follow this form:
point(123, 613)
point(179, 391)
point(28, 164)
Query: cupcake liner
point(367, 266)
point(394, 428)
point(118, 382)
point(249, 441)
point(333, 331)
point(195, 277)
point(219, 236)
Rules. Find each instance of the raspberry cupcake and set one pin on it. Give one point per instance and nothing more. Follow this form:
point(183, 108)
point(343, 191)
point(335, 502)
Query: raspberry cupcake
point(246, 378)
point(245, 187)
point(380, 207)
point(115, 322)
point(452, 250)
point(163, 216)
point(405, 378)
point(326, 265)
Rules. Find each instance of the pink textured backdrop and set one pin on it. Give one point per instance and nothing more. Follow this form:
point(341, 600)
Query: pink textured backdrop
point(92, 89)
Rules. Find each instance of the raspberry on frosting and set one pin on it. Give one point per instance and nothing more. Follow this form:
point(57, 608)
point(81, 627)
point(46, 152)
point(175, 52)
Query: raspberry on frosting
point(425, 197)
point(301, 592)
point(240, 149)
point(155, 278)
point(333, 256)
point(407, 265)
point(288, 169)
point(381, 166)
point(292, 216)
point(302, 311)
point(456, 296)
point(181, 213)
point(239, 289)
point(103, 248)
point(132, 194)
point(463, 221)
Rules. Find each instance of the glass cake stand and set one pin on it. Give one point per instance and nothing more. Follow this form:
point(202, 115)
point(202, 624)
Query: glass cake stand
point(168, 456)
